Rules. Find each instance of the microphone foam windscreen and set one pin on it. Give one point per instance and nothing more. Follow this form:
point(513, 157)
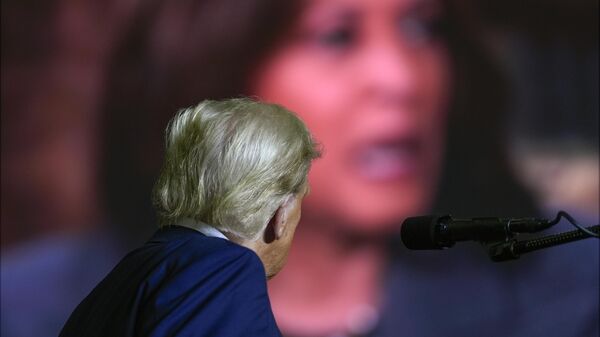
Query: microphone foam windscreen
point(419, 232)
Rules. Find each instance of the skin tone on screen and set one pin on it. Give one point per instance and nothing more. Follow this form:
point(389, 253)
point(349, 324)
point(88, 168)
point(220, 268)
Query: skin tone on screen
point(370, 78)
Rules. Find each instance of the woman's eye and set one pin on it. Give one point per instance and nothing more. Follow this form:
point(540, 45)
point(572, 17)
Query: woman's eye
point(336, 38)
point(418, 31)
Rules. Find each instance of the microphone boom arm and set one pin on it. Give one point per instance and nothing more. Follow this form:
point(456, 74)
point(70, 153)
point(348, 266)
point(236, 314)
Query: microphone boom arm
point(513, 249)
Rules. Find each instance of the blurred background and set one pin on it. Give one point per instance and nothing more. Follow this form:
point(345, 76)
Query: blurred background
point(54, 54)
point(54, 61)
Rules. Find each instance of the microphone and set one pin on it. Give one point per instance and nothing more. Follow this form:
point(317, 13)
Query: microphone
point(441, 232)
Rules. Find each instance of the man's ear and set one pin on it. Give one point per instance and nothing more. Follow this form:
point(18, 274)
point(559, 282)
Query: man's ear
point(278, 223)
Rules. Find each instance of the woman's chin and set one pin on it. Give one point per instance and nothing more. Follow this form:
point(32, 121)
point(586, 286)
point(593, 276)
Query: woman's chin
point(379, 220)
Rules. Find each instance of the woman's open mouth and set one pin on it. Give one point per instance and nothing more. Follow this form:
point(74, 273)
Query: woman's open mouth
point(388, 159)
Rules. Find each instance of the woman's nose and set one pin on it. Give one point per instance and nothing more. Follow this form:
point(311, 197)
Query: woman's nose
point(387, 69)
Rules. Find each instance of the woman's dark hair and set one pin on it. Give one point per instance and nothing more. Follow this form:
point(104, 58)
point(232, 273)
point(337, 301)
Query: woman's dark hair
point(172, 55)
point(175, 53)
point(476, 177)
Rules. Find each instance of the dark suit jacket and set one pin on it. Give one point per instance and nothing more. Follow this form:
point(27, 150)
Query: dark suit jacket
point(180, 283)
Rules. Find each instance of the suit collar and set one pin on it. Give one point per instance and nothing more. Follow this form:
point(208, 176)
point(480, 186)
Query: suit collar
point(201, 227)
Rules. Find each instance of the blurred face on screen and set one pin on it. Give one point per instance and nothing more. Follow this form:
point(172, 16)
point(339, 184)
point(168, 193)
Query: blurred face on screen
point(370, 78)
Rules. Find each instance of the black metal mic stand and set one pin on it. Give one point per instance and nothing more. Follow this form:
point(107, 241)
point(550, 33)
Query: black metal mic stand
point(513, 248)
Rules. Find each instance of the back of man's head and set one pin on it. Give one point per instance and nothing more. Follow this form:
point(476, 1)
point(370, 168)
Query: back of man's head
point(231, 163)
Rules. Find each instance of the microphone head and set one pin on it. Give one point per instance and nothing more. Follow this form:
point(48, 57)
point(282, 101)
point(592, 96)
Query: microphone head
point(420, 233)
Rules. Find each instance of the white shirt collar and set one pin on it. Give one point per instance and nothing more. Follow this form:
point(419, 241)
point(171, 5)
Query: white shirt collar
point(201, 227)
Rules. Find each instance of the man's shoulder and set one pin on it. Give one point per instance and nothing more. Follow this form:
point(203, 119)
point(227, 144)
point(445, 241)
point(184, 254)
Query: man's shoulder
point(205, 281)
point(193, 246)
point(187, 254)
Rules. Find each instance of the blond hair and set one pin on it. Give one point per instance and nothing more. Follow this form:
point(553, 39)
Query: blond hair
point(231, 163)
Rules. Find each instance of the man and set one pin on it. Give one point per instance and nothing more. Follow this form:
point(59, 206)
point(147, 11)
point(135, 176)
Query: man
point(229, 199)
